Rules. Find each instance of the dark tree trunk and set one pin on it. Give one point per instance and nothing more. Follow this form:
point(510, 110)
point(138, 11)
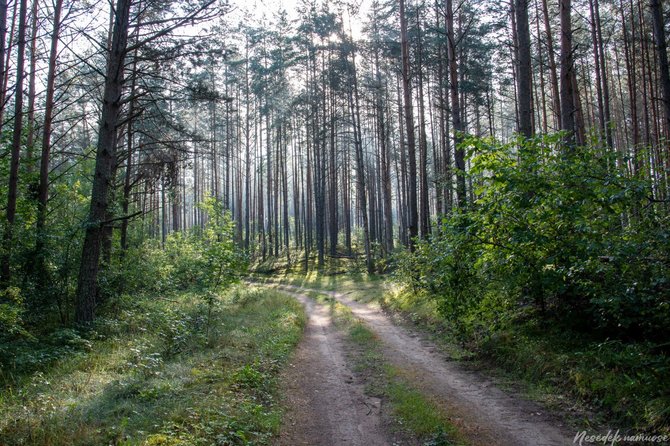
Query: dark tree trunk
point(459, 154)
point(568, 106)
point(553, 71)
point(5, 267)
point(104, 166)
point(424, 207)
point(524, 75)
point(360, 165)
point(43, 188)
point(412, 202)
point(385, 162)
point(3, 55)
point(662, 52)
point(30, 137)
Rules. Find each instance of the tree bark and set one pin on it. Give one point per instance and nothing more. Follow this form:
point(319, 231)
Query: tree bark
point(5, 267)
point(30, 138)
point(553, 72)
point(412, 203)
point(43, 188)
point(568, 107)
point(459, 154)
point(524, 84)
point(424, 206)
point(3, 54)
point(360, 166)
point(85, 300)
point(662, 53)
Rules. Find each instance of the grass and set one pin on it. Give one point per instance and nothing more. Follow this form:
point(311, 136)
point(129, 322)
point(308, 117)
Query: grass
point(162, 372)
point(625, 384)
point(414, 413)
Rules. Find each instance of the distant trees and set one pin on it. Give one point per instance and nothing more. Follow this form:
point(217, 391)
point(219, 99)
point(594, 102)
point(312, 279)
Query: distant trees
point(332, 133)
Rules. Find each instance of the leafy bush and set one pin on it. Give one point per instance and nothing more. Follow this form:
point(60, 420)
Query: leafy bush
point(571, 236)
point(203, 258)
point(207, 258)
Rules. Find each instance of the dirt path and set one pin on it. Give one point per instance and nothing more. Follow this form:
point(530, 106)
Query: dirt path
point(483, 413)
point(325, 405)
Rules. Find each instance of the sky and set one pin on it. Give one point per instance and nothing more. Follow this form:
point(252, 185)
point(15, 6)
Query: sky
point(267, 8)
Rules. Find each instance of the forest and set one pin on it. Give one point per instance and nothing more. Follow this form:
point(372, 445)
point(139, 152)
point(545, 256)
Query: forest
point(494, 173)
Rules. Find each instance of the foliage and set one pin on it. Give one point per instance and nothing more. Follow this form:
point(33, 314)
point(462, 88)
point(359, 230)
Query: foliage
point(571, 236)
point(207, 259)
point(11, 312)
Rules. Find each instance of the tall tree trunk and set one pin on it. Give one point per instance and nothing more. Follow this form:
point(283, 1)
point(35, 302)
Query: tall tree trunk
point(553, 72)
point(5, 266)
point(543, 91)
point(412, 202)
point(127, 179)
point(424, 215)
point(85, 301)
point(459, 154)
point(332, 187)
point(385, 161)
point(30, 137)
point(598, 70)
point(247, 148)
point(360, 166)
point(524, 75)
point(662, 53)
point(43, 188)
point(603, 73)
point(3, 54)
point(568, 106)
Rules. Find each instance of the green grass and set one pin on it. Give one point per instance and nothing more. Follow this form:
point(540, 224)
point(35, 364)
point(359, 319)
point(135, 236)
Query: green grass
point(160, 372)
point(623, 384)
point(413, 411)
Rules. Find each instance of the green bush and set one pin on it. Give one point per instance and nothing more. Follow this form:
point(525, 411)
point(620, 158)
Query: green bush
point(558, 274)
point(555, 234)
point(203, 258)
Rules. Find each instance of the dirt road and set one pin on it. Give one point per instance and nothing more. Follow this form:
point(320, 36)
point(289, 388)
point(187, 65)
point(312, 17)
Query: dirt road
point(327, 408)
point(325, 403)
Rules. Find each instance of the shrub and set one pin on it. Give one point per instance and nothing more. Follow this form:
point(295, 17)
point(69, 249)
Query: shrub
point(570, 236)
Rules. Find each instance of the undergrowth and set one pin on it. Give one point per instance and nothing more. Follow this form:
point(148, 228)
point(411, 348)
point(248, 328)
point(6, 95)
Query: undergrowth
point(171, 370)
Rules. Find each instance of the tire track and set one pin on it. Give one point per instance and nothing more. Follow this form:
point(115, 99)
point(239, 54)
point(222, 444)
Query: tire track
point(485, 414)
point(324, 403)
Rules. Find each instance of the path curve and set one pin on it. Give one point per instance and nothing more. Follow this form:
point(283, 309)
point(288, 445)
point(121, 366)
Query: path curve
point(483, 413)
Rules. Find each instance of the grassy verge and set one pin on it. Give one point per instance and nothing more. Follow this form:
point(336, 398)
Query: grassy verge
point(163, 372)
point(414, 413)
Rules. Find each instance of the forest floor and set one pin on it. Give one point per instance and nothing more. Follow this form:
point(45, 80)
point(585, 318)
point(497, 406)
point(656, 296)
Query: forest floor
point(394, 386)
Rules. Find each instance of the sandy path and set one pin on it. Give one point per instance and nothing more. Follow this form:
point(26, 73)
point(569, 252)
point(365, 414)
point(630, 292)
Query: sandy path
point(484, 414)
point(324, 403)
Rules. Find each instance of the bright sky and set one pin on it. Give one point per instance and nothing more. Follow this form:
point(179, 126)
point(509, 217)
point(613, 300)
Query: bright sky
point(268, 8)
